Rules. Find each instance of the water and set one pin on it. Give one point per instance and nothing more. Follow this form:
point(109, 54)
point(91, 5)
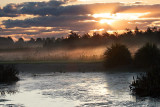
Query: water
point(90, 89)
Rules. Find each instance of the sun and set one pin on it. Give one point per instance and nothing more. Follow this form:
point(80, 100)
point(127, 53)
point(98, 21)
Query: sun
point(107, 21)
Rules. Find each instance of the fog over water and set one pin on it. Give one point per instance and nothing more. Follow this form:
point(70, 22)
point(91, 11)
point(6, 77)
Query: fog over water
point(81, 54)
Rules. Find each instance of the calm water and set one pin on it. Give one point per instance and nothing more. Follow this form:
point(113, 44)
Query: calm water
point(93, 89)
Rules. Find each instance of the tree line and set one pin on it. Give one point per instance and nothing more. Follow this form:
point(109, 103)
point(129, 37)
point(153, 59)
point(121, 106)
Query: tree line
point(75, 40)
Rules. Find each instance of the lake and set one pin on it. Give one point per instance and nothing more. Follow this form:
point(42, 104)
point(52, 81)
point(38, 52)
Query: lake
point(47, 88)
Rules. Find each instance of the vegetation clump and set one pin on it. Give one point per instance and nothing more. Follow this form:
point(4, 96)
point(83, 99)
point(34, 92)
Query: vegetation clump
point(8, 73)
point(117, 55)
point(147, 84)
point(147, 56)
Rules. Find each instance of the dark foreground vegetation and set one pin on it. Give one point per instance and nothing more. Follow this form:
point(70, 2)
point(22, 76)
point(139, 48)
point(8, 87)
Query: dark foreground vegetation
point(8, 74)
point(147, 84)
point(117, 55)
point(147, 58)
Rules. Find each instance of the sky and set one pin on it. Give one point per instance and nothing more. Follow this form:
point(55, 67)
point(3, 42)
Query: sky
point(56, 18)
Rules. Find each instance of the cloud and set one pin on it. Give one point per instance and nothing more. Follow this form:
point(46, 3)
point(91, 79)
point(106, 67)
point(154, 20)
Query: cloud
point(35, 8)
point(8, 11)
point(47, 21)
point(152, 15)
point(57, 8)
point(62, 17)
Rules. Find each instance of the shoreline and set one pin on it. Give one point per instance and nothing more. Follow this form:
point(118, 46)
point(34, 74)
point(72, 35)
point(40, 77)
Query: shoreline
point(67, 66)
point(61, 67)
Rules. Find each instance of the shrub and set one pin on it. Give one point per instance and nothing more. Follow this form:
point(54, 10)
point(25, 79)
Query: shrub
point(8, 73)
point(147, 84)
point(117, 55)
point(147, 56)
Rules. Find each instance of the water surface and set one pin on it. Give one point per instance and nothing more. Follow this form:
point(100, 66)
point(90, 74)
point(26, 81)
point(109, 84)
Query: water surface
point(70, 89)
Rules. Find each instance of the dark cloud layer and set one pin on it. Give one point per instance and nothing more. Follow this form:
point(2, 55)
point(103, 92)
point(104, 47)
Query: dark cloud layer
point(47, 21)
point(56, 8)
point(35, 8)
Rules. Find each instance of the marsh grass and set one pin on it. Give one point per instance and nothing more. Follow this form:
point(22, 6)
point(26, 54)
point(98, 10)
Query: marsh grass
point(147, 84)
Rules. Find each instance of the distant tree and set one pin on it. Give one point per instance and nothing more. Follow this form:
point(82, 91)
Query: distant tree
point(117, 55)
point(20, 43)
point(39, 41)
point(106, 34)
point(20, 40)
point(6, 41)
point(129, 32)
point(147, 56)
point(149, 30)
point(31, 41)
point(154, 29)
point(59, 40)
point(10, 40)
point(73, 36)
point(53, 39)
point(96, 35)
point(86, 36)
point(136, 31)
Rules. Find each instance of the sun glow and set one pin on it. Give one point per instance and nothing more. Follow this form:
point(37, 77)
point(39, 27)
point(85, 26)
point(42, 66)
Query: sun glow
point(120, 16)
point(103, 21)
point(110, 18)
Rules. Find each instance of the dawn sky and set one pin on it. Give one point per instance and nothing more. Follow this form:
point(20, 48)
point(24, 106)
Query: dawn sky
point(48, 18)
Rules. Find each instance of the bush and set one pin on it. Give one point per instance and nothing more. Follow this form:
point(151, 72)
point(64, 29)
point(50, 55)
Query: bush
point(117, 55)
point(147, 84)
point(147, 56)
point(8, 73)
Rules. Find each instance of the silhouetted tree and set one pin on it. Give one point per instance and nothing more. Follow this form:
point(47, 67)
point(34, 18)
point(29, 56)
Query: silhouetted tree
point(10, 40)
point(136, 30)
point(20, 40)
point(86, 36)
point(147, 56)
point(39, 40)
point(96, 36)
point(32, 41)
point(6, 41)
point(117, 55)
point(149, 30)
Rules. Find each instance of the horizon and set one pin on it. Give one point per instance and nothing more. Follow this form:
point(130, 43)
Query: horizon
point(100, 32)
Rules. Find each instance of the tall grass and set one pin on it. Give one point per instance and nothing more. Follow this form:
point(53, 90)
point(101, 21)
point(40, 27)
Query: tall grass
point(147, 84)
